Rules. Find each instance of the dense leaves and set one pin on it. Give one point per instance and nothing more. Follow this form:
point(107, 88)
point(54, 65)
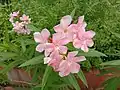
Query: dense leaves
point(102, 17)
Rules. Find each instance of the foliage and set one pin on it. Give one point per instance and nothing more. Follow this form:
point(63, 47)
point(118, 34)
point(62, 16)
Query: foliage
point(113, 67)
point(15, 50)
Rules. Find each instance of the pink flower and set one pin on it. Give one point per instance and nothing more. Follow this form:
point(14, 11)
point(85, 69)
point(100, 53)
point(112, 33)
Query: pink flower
point(81, 38)
point(57, 44)
point(21, 28)
point(79, 26)
point(25, 19)
point(69, 64)
point(53, 60)
point(11, 19)
point(13, 15)
point(63, 27)
point(43, 40)
point(84, 40)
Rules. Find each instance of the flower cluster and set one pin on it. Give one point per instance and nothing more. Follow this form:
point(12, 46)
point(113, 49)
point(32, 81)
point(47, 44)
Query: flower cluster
point(20, 23)
point(56, 53)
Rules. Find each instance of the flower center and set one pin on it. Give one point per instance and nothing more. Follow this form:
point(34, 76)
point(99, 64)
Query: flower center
point(65, 30)
point(64, 57)
point(50, 40)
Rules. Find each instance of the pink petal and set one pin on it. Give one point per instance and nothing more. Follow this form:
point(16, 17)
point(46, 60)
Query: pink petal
point(11, 19)
point(89, 34)
point(63, 49)
point(90, 42)
point(40, 47)
point(37, 37)
point(64, 73)
point(55, 54)
point(65, 21)
point(63, 41)
point(80, 19)
point(77, 43)
point(81, 33)
point(58, 28)
point(45, 34)
point(64, 69)
point(61, 74)
point(81, 24)
point(72, 54)
point(84, 48)
point(79, 59)
point(49, 47)
point(73, 28)
point(56, 37)
point(74, 68)
point(84, 25)
point(55, 62)
point(63, 65)
point(14, 14)
point(47, 53)
point(47, 60)
point(70, 36)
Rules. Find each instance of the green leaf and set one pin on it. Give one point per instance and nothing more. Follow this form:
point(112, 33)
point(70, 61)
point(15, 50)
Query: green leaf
point(112, 83)
point(116, 34)
point(82, 77)
point(73, 12)
point(33, 61)
point(46, 76)
point(73, 81)
point(91, 53)
point(23, 45)
point(32, 28)
point(7, 55)
point(114, 62)
point(10, 66)
point(71, 47)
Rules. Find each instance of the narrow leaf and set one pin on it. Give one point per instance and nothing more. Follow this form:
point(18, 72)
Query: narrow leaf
point(112, 83)
point(73, 12)
point(114, 62)
point(32, 27)
point(74, 82)
point(23, 45)
point(33, 61)
point(82, 77)
point(91, 53)
point(46, 76)
point(7, 55)
point(10, 66)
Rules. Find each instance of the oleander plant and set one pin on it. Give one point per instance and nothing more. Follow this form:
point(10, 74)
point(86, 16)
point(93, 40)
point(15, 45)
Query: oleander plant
point(52, 44)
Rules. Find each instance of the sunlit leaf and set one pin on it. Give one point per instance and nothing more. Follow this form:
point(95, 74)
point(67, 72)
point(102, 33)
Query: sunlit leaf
point(23, 45)
point(73, 81)
point(46, 76)
point(32, 27)
point(73, 12)
point(33, 61)
point(113, 62)
point(7, 55)
point(82, 77)
point(91, 53)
